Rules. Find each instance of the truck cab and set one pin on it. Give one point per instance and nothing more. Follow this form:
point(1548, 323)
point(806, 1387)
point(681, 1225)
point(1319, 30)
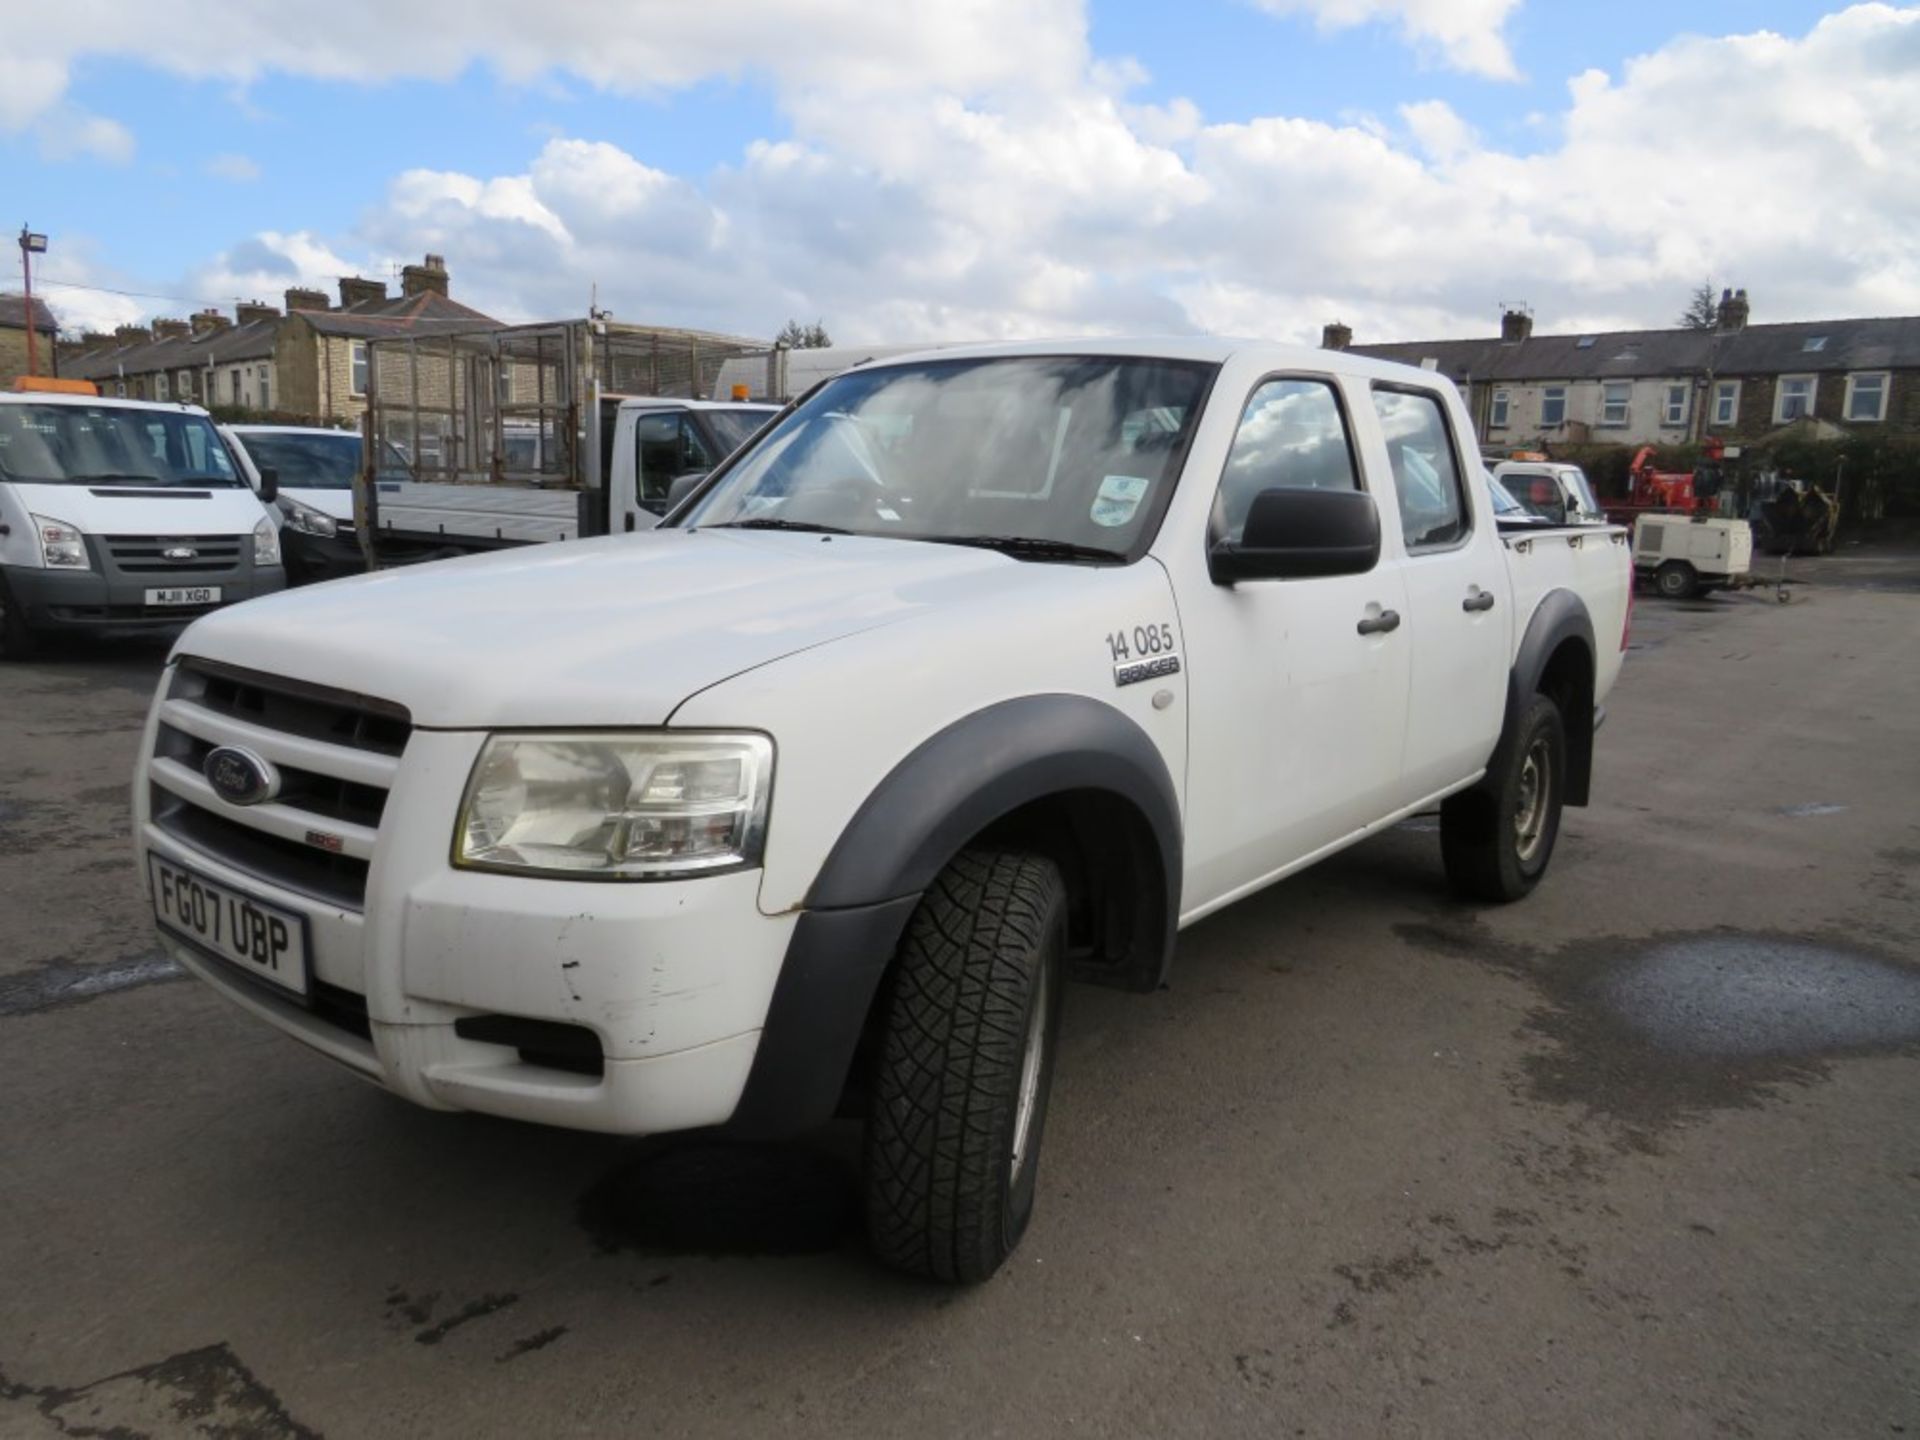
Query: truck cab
point(120, 514)
point(1556, 492)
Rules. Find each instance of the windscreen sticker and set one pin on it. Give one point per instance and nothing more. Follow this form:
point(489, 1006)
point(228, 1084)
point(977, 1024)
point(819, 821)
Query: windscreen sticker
point(1118, 498)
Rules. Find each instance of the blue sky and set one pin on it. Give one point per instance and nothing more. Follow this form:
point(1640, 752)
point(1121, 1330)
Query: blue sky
point(180, 172)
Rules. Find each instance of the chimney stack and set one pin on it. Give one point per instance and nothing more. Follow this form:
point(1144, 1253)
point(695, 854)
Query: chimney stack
point(248, 311)
point(1733, 310)
point(205, 322)
point(300, 298)
point(1336, 336)
point(354, 290)
point(418, 279)
point(1516, 324)
point(131, 334)
point(171, 329)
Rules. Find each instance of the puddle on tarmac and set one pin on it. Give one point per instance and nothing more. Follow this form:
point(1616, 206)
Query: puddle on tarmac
point(1650, 1033)
point(721, 1197)
point(1813, 807)
point(1739, 995)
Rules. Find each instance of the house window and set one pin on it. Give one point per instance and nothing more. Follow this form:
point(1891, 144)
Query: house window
point(120, 389)
point(1553, 405)
point(1726, 402)
point(234, 376)
point(266, 389)
point(1674, 410)
point(1498, 419)
point(160, 386)
point(183, 384)
point(1613, 402)
point(503, 385)
point(359, 350)
point(1792, 398)
point(1867, 396)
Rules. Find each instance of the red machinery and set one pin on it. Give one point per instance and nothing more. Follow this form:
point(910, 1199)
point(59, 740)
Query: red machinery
point(1668, 492)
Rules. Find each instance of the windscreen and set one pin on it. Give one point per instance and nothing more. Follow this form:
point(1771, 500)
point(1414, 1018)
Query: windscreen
point(1069, 457)
point(733, 427)
point(307, 462)
point(111, 445)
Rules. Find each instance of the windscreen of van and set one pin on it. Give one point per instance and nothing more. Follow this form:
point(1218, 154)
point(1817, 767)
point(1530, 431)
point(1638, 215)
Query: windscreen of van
point(109, 445)
point(317, 460)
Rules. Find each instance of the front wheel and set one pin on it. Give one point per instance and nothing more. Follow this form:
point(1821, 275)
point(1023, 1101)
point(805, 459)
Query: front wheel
point(965, 1065)
point(1497, 838)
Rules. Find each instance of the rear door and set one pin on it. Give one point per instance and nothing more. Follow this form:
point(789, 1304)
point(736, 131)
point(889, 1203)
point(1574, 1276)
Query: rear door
point(1456, 585)
point(1298, 715)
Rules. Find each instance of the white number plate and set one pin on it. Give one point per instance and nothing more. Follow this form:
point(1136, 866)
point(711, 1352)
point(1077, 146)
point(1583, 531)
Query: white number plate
point(261, 939)
point(185, 595)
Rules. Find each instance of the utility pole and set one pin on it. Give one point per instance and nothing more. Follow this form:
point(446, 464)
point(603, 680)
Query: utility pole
point(30, 246)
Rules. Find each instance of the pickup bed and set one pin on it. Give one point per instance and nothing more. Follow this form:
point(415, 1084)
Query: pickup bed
point(972, 672)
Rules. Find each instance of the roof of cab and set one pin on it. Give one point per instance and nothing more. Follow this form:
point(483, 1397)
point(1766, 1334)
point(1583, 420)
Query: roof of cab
point(95, 402)
point(1208, 349)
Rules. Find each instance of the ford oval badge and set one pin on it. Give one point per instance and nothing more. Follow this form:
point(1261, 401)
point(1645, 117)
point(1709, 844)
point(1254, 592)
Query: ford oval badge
point(239, 776)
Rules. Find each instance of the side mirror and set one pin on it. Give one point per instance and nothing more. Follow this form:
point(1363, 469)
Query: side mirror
point(269, 485)
point(1301, 534)
point(683, 486)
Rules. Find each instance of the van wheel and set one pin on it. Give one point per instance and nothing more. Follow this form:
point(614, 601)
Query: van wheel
point(17, 641)
point(1676, 580)
point(1497, 838)
point(964, 1066)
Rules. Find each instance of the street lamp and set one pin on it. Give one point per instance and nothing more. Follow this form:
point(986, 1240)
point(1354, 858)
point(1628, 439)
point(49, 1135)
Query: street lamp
point(31, 245)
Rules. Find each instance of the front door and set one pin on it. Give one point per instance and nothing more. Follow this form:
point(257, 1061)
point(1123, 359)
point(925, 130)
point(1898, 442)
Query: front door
point(1455, 580)
point(1298, 714)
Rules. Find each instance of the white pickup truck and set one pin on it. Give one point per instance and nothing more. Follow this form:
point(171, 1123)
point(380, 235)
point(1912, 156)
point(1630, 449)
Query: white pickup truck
point(973, 671)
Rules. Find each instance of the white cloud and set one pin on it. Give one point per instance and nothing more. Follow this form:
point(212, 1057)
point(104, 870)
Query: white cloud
point(66, 132)
point(982, 196)
point(1466, 34)
point(237, 168)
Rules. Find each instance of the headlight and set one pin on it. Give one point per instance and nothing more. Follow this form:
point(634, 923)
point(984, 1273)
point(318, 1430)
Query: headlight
point(307, 520)
point(616, 807)
point(61, 547)
point(266, 544)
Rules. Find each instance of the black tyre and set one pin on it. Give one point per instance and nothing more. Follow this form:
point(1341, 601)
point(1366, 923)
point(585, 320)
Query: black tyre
point(1497, 838)
point(17, 640)
point(964, 1067)
point(1676, 580)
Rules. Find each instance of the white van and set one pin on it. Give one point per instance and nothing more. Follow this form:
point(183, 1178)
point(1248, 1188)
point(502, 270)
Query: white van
point(119, 514)
point(312, 472)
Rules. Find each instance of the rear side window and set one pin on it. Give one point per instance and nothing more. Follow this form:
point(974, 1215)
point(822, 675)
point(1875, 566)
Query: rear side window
point(1292, 436)
point(1426, 477)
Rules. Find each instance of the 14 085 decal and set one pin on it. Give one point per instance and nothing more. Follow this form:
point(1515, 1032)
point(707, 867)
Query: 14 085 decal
point(1146, 640)
point(1143, 653)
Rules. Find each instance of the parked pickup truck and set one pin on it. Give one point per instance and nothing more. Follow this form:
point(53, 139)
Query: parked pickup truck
point(532, 434)
point(973, 672)
point(119, 514)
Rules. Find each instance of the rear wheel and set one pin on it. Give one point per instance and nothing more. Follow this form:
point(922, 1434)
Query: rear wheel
point(1676, 580)
point(17, 640)
point(965, 1065)
point(1497, 838)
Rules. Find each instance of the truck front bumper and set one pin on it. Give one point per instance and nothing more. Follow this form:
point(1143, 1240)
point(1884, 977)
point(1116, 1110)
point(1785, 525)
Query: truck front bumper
point(628, 1008)
point(90, 600)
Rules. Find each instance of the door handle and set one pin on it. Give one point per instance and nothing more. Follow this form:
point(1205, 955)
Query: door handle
point(1479, 600)
point(1386, 622)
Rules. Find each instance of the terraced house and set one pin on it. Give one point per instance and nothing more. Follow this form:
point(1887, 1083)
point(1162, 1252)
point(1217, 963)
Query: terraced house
point(306, 363)
point(1739, 381)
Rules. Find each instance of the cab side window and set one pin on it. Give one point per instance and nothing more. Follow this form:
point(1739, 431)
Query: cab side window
point(1292, 435)
point(668, 447)
point(1426, 477)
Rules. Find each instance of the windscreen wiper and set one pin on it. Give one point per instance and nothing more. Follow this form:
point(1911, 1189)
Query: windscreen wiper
point(113, 477)
point(768, 522)
point(1028, 547)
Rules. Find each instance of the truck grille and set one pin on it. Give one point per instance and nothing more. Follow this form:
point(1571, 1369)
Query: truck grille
point(336, 754)
point(147, 554)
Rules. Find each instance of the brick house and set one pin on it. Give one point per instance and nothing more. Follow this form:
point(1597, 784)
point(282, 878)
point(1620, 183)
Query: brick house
point(1664, 387)
point(307, 363)
point(13, 337)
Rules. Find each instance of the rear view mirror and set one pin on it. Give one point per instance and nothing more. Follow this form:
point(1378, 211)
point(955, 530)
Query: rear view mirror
point(1300, 534)
point(269, 485)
